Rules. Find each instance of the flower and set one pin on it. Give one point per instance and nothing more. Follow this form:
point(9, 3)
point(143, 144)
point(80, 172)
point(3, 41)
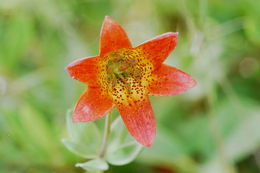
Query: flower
point(124, 76)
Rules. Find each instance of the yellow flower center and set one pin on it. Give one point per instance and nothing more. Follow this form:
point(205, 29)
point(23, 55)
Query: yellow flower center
point(125, 75)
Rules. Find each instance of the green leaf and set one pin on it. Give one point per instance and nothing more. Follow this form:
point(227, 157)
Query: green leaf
point(122, 148)
point(79, 149)
point(118, 134)
point(84, 138)
point(92, 165)
point(125, 154)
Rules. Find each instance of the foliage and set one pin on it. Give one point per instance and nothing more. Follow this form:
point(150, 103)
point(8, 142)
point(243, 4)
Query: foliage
point(212, 128)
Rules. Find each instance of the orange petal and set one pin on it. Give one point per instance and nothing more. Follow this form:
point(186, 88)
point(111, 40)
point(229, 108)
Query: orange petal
point(112, 37)
point(158, 48)
point(139, 120)
point(84, 70)
point(92, 105)
point(170, 81)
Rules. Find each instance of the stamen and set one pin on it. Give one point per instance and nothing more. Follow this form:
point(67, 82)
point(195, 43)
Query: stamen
point(127, 74)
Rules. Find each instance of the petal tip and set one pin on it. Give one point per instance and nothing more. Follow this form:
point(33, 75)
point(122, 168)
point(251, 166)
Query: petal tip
point(193, 82)
point(68, 69)
point(71, 65)
point(173, 35)
point(108, 19)
point(76, 119)
point(112, 36)
point(147, 142)
point(78, 116)
point(148, 139)
point(190, 83)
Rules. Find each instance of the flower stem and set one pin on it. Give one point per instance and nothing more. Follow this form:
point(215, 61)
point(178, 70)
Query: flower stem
point(106, 134)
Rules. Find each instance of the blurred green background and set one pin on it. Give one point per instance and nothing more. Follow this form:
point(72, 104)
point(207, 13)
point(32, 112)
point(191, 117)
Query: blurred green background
point(213, 128)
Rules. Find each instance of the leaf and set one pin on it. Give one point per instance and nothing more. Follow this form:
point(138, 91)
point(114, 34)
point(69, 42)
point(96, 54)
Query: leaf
point(84, 138)
point(118, 134)
point(125, 154)
point(92, 165)
point(79, 149)
point(122, 148)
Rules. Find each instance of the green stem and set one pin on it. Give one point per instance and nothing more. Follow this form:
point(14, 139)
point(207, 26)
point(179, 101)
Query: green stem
point(103, 147)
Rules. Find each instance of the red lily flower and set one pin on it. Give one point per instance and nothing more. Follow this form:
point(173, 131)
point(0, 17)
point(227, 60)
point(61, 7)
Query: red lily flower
point(124, 76)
